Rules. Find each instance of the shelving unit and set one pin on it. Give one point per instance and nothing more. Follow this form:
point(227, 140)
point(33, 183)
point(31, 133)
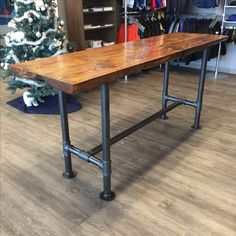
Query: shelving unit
point(225, 24)
point(82, 13)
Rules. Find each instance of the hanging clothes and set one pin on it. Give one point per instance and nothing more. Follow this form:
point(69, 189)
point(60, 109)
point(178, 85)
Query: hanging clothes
point(202, 26)
point(153, 4)
point(177, 6)
point(140, 5)
point(130, 3)
point(132, 33)
point(153, 24)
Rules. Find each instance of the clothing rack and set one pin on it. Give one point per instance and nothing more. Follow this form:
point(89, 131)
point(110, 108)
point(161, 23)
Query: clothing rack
point(223, 26)
point(126, 17)
point(201, 15)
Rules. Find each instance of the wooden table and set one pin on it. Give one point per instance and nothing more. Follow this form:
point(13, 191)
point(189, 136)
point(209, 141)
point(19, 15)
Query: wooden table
point(71, 73)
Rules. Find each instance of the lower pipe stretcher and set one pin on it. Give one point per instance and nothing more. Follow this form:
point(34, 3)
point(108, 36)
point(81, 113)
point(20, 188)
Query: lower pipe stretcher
point(89, 155)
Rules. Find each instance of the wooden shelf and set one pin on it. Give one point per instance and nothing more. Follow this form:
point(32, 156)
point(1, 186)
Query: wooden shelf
point(79, 14)
point(94, 12)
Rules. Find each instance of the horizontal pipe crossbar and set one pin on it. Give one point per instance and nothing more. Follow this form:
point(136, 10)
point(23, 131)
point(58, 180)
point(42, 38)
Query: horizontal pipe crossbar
point(134, 128)
point(85, 156)
point(181, 100)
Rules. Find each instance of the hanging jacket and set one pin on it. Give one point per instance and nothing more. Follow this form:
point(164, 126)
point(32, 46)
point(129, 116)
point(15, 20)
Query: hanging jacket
point(153, 4)
point(140, 4)
point(132, 33)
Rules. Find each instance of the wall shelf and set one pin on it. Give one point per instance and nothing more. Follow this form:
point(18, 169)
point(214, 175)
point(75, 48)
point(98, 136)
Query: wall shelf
point(99, 28)
point(80, 13)
point(94, 12)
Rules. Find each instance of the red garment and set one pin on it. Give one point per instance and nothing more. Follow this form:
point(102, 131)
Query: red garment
point(132, 33)
point(153, 4)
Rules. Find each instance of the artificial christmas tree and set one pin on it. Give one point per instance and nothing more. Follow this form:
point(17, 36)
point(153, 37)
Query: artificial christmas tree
point(37, 33)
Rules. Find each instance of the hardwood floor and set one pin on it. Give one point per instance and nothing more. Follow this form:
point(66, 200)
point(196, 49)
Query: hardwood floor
point(168, 179)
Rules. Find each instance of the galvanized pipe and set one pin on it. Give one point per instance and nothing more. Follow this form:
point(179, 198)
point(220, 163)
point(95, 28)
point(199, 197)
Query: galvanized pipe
point(134, 128)
point(165, 89)
point(106, 194)
point(201, 84)
point(183, 101)
point(85, 156)
point(65, 135)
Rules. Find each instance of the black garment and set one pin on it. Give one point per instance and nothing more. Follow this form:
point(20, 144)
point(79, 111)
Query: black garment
point(152, 26)
point(177, 6)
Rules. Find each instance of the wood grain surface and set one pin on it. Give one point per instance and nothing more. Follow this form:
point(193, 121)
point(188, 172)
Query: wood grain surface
point(76, 71)
point(169, 180)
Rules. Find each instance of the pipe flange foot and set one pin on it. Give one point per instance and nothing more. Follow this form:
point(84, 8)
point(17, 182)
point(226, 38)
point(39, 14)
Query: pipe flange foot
point(69, 175)
point(108, 197)
point(195, 128)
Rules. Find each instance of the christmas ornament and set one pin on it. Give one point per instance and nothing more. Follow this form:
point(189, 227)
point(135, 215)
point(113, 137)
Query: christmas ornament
point(38, 34)
point(43, 8)
point(30, 20)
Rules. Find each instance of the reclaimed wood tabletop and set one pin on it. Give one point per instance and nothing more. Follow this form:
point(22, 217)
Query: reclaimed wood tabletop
point(73, 72)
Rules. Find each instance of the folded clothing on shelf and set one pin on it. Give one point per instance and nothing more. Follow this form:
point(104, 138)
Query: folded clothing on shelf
point(96, 9)
point(98, 43)
point(232, 17)
point(95, 43)
point(107, 8)
point(91, 26)
point(104, 43)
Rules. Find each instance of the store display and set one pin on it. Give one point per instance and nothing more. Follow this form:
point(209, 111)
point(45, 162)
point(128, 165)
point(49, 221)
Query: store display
point(88, 70)
point(91, 20)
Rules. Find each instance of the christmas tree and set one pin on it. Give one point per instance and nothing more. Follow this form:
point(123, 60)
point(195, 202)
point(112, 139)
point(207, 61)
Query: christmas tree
point(37, 33)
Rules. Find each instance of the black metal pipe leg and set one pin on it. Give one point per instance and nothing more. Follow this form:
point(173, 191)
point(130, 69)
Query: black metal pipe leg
point(69, 173)
point(107, 194)
point(201, 84)
point(165, 89)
